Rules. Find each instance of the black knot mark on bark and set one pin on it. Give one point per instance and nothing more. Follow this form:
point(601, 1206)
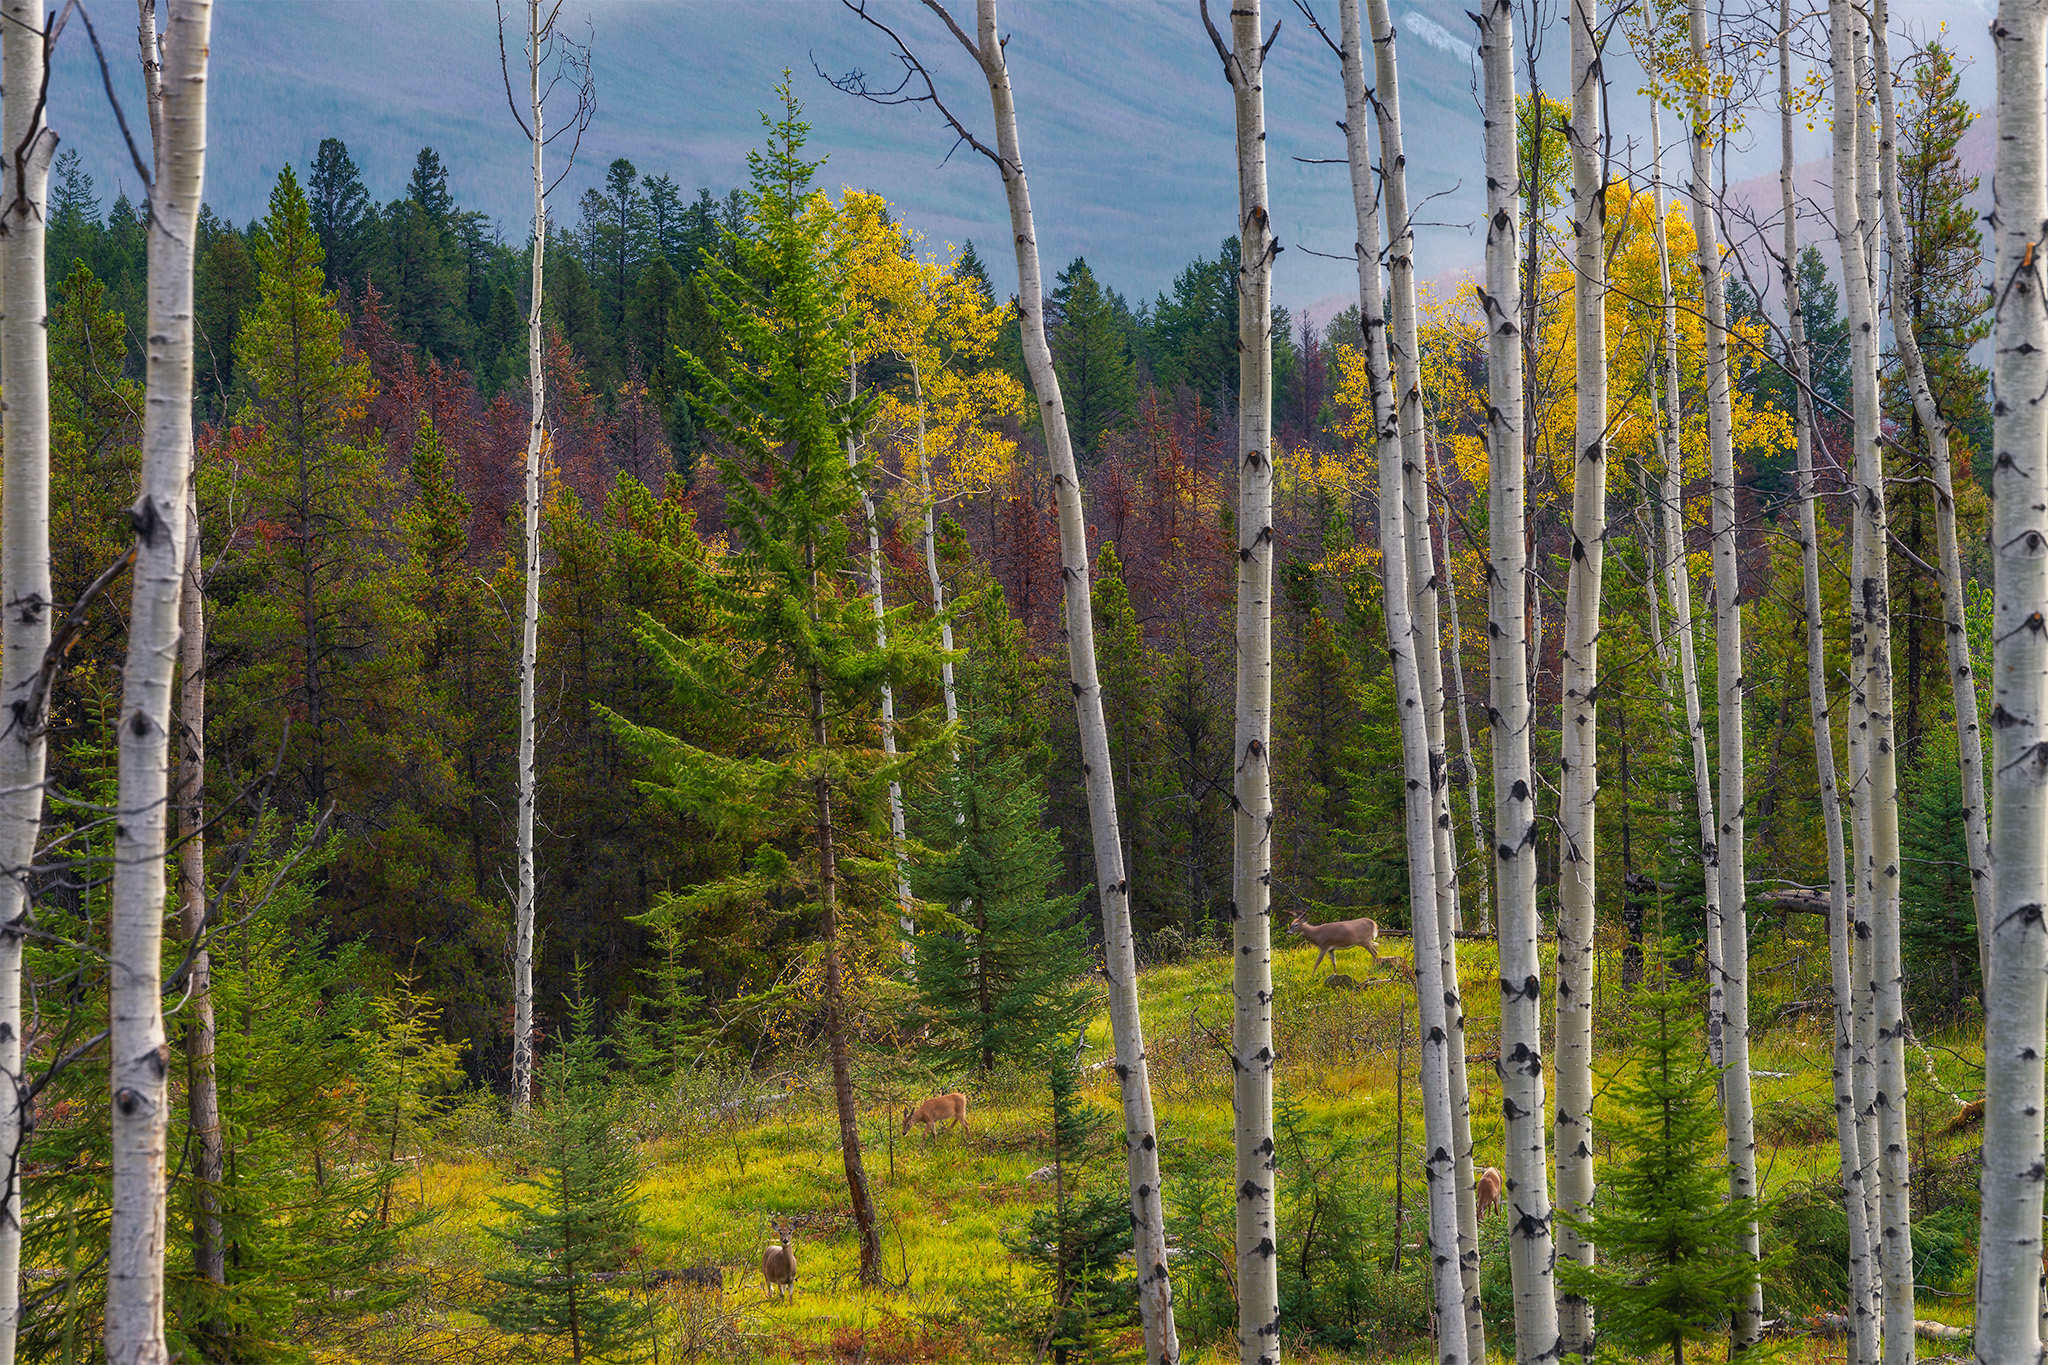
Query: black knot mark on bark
point(1251, 1189)
point(1531, 989)
point(1520, 791)
point(1147, 1142)
point(1264, 1251)
point(138, 725)
point(149, 527)
point(127, 1101)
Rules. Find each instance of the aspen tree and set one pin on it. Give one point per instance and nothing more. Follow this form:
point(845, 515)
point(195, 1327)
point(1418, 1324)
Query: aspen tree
point(1856, 211)
point(537, 30)
point(1862, 1267)
point(931, 549)
point(1405, 354)
point(1148, 1228)
point(138, 1054)
point(24, 579)
point(2009, 1300)
point(1530, 1250)
point(1403, 646)
point(1678, 588)
point(1955, 629)
point(1251, 798)
point(1728, 661)
point(1579, 742)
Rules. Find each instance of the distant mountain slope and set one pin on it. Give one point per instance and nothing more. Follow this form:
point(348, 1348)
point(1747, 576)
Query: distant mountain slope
point(1127, 121)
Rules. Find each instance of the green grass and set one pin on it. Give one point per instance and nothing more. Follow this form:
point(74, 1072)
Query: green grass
point(732, 1156)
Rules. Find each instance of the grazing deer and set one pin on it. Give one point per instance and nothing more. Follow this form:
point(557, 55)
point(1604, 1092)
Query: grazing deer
point(1487, 1189)
point(778, 1265)
point(936, 1111)
point(1343, 933)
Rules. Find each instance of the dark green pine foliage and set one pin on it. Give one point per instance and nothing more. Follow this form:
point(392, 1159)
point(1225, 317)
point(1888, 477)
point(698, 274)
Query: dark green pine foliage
point(1671, 1241)
point(999, 976)
point(1939, 925)
point(1090, 331)
point(420, 271)
point(1076, 1244)
point(574, 1232)
point(790, 676)
point(343, 216)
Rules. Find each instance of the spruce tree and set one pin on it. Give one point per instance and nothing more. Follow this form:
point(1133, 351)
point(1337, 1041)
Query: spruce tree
point(1672, 1261)
point(1001, 980)
point(1090, 344)
point(575, 1231)
point(788, 671)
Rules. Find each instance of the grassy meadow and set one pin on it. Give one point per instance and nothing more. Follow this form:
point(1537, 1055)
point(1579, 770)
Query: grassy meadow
point(725, 1155)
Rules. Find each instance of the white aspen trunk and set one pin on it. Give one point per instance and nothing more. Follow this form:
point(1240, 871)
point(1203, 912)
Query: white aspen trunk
point(1857, 207)
point(1482, 919)
point(1155, 1287)
point(905, 925)
point(931, 552)
point(1735, 1093)
point(1894, 1168)
point(529, 621)
point(1955, 627)
point(1863, 1323)
point(209, 1247)
point(1579, 742)
point(1405, 356)
point(1251, 797)
point(1420, 800)
point(1678, 588)
point(24, 581)
point(137, 1050)
point(1530, 1250)
point(2009, 1301)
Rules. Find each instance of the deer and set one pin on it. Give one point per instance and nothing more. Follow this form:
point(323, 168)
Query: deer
point(1343, 933)
point(1487, 1190)
point(778, 1265)
point(936, 1111)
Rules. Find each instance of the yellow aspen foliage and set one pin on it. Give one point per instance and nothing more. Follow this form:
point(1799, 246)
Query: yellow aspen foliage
point(937, 333)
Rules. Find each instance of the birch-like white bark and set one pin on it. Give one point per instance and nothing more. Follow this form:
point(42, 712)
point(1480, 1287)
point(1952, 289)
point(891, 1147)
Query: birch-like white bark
point(138, 1055)
point(1863, 1323)
point(1857, 209)
point(2009, 1302)
point(931, 552)
point(529, 620)
point(1251, 795)
point(1404, 645)
point(1955, 627)
point(1530, 1249)
point(24, 582)
point(1678, 589)
point(1155, 1287)
point(1728, 660)
point(1405, 356)
point(1579, 742)
point(905, 925)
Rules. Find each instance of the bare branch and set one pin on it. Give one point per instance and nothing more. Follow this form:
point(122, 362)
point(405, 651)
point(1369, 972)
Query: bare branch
point(856, 82)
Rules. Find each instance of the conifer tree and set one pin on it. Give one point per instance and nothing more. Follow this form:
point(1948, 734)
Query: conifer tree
point(1088, 328)
point(791, 663)
point(1672, 1246)
point(1001, 980)
point(577, 1226)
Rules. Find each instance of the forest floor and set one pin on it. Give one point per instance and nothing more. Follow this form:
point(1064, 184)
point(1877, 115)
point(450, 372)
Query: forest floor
point(720, 1166)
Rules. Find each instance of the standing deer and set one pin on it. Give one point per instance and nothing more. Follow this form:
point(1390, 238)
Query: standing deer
point(778, 1265)
point(1487, 1190)
point(936, 1111)
point(1343, 933)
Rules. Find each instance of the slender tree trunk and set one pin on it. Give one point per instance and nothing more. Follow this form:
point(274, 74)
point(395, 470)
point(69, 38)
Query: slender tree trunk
point(1579, 740)
point(1403, 644)
point(1962, 677)
point(25, 572)
point(2009, 1301)
point(904, 923)
point(1155, 1287)
point(1251, 798)
point(1530, 1251)
point(1862, 1263)
point(1894, 1168)
point(1678, 587)
point(1735, 1093)
point(1482, 920)
point(138, 1052)
point(1405, 355)
point(529, 621)
point(931, 553)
